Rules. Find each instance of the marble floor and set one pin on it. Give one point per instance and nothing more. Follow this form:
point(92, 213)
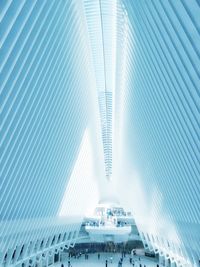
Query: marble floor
point(93, 261)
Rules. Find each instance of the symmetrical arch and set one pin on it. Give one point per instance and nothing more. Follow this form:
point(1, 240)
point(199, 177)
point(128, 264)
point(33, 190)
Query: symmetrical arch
point(99, 98)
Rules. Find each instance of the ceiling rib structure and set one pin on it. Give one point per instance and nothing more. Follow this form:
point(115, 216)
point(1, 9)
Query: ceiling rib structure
point(99, 100)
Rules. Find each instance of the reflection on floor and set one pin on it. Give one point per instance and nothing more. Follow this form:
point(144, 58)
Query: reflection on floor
point(93, 261)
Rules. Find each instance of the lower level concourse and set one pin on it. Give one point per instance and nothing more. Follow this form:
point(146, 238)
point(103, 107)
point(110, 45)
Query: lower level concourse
point(113, 260)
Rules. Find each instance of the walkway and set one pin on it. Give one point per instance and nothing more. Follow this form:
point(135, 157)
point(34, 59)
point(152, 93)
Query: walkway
point(94, 262)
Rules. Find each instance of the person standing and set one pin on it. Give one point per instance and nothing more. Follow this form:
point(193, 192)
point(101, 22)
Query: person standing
point(98, 256)
point(106, 263)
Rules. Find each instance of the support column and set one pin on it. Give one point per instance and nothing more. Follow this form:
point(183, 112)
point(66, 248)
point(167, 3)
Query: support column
point(173, 264)
point(51, 258)
point(24, 253)
point(26, 263)
point(161, 260)
point(17, 253)
point(59, 258)
point(9, 256)
point(39, 263)
point(196, 259)
point(1, 259)
point(167, 264)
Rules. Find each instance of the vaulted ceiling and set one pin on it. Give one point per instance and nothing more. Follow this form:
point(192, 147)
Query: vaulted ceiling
point(100, 99)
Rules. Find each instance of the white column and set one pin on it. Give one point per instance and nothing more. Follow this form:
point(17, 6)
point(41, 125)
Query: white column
point(173, 264)
point(9, 256)
point(161, 260)
point(59, 258)
point(167, 262)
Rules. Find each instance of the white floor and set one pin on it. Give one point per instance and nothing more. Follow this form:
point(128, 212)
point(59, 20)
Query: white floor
point(94, 262)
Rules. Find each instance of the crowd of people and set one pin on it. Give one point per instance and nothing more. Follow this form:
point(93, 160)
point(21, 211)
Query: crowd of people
point(136, 261)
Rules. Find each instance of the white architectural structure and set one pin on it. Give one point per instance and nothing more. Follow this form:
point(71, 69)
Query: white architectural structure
point(109, 223)
point(99, 99)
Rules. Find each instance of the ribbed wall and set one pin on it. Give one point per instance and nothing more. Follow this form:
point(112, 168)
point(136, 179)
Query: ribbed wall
point(56, 59)
point(161, 128)
point(45, 87)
